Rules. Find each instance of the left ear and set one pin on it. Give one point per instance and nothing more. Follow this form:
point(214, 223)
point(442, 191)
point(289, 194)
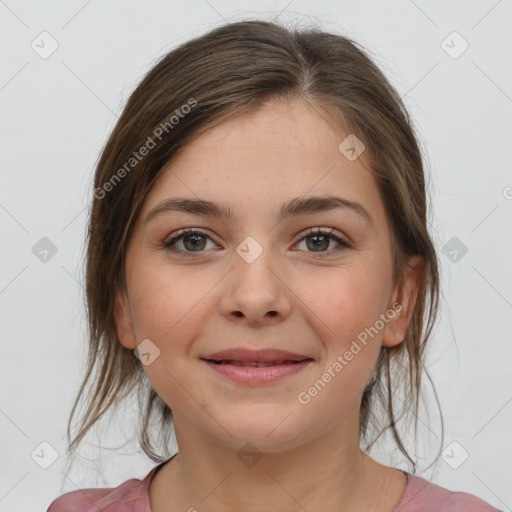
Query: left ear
point(402, 303)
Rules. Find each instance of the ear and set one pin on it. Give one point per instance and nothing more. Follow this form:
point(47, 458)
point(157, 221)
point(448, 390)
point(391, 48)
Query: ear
point(402, 303)
point(123, 319)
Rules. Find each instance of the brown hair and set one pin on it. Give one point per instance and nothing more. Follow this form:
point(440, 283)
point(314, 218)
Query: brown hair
point(227, 71)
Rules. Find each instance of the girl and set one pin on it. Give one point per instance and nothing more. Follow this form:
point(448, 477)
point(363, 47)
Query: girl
point(258, 252)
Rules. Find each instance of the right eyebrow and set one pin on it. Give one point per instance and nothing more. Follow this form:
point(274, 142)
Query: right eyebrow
point(196, 206)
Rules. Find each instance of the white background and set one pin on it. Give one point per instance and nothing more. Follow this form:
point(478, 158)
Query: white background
point(56, 114)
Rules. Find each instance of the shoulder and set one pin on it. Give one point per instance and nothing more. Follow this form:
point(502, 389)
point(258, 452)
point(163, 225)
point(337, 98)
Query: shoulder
point(424, 496)
point(130, 496)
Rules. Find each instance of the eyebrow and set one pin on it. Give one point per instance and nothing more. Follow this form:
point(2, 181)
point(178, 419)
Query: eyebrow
point(296, 206)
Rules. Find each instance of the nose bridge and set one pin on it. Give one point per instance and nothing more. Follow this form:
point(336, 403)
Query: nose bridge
point(256, 289)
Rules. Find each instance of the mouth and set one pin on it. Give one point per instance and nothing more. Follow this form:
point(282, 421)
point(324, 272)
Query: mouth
point(257, 364)
point(264, 366)
point(244, 355)
point(256, 373)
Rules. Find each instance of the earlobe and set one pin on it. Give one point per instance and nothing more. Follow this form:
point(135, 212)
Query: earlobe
point(124, 324)
point(403, 303)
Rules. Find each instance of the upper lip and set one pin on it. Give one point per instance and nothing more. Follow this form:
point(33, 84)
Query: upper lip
point(267, 355)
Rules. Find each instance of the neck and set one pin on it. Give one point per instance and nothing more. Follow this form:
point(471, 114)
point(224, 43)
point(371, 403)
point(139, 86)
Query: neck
point(333, 474)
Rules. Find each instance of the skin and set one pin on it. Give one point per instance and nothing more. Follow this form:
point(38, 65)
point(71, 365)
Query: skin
point(192, 306)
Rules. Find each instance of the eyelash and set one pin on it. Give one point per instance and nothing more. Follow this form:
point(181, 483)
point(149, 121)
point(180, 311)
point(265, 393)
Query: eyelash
point(344, 244)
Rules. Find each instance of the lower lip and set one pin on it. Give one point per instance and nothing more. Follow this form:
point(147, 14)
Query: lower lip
point(252, 375)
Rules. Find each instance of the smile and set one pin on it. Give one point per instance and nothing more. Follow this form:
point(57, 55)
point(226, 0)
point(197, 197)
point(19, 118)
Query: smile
point(254, 364)
point(256, 373)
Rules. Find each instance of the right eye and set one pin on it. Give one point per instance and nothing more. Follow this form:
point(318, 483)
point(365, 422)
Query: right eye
point(193, 242)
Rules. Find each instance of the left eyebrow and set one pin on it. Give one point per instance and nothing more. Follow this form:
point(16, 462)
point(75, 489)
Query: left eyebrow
point(314, 204)
point(296, 206)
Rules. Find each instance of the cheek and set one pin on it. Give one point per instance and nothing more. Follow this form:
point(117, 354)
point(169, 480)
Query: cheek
point(169, 308)
point(350, 352)
point(164, 301)
point(352, 300)
point(349, 304)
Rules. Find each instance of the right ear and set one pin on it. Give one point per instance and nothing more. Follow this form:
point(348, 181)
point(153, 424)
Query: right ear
point(123, 319)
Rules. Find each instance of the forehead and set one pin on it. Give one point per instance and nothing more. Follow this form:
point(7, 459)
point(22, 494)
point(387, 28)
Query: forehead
point(262, 158)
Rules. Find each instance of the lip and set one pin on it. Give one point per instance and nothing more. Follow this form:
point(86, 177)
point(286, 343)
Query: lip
point(268, 355)
point(256, 376)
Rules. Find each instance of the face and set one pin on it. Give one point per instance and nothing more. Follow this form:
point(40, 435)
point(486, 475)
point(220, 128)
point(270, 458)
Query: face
point(316, 281)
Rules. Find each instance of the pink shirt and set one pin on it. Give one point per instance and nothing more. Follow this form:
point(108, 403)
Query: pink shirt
point(132, 496)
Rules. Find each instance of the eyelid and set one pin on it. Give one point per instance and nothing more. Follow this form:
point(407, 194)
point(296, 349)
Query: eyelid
point(333, 232)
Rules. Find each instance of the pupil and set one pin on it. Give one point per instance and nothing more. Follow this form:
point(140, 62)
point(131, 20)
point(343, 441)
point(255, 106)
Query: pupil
point(316, 237)
point(196, 243)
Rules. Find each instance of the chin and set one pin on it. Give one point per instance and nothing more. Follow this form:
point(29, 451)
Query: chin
point(267, 430)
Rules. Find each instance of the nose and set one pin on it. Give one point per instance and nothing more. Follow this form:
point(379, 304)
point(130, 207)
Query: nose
point(256, 293)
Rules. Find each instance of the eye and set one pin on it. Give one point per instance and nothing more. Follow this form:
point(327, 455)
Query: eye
point(193, 241)
point(321, 238)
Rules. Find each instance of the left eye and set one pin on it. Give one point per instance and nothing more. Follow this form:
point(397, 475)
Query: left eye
point(195, 241)
point(321, 239)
